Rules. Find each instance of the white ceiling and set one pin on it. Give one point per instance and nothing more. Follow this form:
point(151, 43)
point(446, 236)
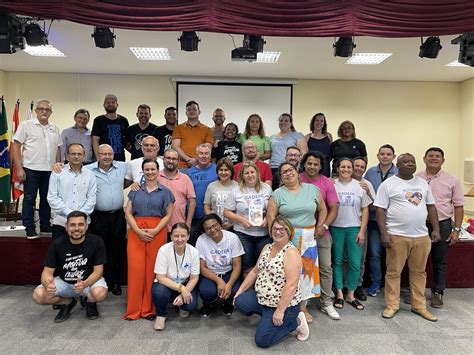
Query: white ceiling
point(301, 58)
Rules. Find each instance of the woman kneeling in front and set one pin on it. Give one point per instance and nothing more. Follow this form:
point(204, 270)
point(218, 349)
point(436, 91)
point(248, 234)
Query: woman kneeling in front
point(220, 252)
point(276, 297)
point(177, 274)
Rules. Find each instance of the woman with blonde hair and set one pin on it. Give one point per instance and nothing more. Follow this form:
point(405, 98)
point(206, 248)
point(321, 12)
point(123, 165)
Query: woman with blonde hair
point(247, 207)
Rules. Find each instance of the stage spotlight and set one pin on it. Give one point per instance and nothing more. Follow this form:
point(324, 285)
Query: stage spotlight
point(35, 35)
point(11, 37)
point(254, 42)
point(466, 48)
point(343, 47)
point(430, 48)
point(103, 37)
point(189, 41)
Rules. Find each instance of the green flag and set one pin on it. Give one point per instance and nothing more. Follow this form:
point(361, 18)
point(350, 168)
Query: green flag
point(5, 183)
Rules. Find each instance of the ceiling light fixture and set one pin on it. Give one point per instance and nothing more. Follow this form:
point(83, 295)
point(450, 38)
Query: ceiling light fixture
point(146, 53)
point(189, 41)
point(103, 37)
point(368, 58)
point(268, 57)
point(455, 63)
point(430, 48)
point(343, 47)
point(466, 48)
point(44, 51)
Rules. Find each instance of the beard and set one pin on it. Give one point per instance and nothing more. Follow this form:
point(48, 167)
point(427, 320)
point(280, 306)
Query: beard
point(110, 109)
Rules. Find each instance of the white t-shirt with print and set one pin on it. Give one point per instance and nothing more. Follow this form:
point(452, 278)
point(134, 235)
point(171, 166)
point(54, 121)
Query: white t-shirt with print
point(178, 269)
point(352, 198)
point(405, 204)
point(241, 199)
point(218, 256)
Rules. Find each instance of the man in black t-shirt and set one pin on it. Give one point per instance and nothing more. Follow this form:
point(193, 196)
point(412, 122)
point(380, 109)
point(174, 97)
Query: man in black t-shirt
point(73, 267)
point(164, 133)
point(135, 133)
point(110, 129)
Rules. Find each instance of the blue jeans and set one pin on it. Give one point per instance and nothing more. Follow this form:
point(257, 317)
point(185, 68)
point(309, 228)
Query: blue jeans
point(375, 254)
point(267, 333)
point(253, 246)
point(208, 288)
point(36, 180)
point(163, 295)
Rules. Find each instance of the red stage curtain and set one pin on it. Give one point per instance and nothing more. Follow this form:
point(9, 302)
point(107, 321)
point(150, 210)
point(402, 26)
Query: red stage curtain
point(310, 18)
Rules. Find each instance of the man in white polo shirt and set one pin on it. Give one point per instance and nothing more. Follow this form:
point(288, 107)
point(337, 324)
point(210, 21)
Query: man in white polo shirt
point(404, 202)
point(150, 149)
point(35, 150)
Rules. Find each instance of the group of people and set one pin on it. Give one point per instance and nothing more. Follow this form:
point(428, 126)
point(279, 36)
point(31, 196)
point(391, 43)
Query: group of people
point(209, 218)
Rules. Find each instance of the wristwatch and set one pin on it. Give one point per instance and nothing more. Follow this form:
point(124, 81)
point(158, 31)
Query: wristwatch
point(456, 229)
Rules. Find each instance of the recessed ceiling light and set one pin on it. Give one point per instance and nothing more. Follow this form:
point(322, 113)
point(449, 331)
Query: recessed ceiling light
point(455, 63)
point(267, 57)
point(145, 53)
point(44, 51)
point(368, 58)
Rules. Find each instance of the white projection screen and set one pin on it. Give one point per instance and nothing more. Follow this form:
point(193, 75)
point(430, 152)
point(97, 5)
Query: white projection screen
point(238, 100)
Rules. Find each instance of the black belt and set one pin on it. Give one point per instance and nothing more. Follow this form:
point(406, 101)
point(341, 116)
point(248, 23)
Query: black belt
point(109, 212)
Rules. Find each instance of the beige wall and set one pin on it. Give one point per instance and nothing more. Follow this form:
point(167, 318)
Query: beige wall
point(2, 83)
point(466, 134)
point(409, 115)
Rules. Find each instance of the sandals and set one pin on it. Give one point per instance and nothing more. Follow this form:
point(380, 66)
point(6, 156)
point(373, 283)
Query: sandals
point(309, 317)
point(356, 304)
point(339, 303)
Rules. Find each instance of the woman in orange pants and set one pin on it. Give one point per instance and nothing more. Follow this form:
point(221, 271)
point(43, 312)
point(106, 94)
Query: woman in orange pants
point(147, 212)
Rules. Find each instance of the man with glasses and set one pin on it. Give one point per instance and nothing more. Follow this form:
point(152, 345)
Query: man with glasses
point(108, 219)
point(36, 148)
point(72, 189)
point(181, 186)
point(292, 156)
point(250, 154)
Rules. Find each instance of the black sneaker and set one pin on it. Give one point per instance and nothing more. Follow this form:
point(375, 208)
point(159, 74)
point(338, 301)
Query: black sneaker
point(206, 309)
point(91, 310)
point(31, 233)
point(360, 294)
point(46, 229)
point(228, 308)
point(65, 311)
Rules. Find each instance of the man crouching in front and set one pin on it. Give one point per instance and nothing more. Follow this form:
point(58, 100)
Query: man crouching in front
point(73, 267)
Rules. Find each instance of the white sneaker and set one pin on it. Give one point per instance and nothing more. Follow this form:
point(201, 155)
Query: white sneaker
point(331, 312)
point(302, 330)
point(183, 314)
point(159, 323)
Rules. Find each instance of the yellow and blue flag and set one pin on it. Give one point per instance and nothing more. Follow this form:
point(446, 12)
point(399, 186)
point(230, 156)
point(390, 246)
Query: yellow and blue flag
point(5, 183)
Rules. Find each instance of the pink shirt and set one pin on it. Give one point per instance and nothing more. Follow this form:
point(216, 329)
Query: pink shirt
point(325, 185)
point(182, 189)
point(447, 191)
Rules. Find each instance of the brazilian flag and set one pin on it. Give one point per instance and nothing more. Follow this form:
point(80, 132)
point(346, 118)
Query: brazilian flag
point(5, 183)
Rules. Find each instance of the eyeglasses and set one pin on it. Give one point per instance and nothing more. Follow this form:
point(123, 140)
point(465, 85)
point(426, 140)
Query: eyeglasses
point(215, 226)
point(75, 154)
point(45, 109)
point(287, 171)
point(278, 230)
point(106, 154)
point(293, 155)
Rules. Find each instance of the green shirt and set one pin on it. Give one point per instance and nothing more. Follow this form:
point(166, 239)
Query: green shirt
point(263, 144)
point(299, 208)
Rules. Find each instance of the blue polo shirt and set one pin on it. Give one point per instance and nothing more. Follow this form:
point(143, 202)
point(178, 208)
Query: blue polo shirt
point(201, 178)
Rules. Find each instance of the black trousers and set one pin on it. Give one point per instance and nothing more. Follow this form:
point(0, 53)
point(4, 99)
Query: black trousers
point(112, 228)
point(439, 251)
